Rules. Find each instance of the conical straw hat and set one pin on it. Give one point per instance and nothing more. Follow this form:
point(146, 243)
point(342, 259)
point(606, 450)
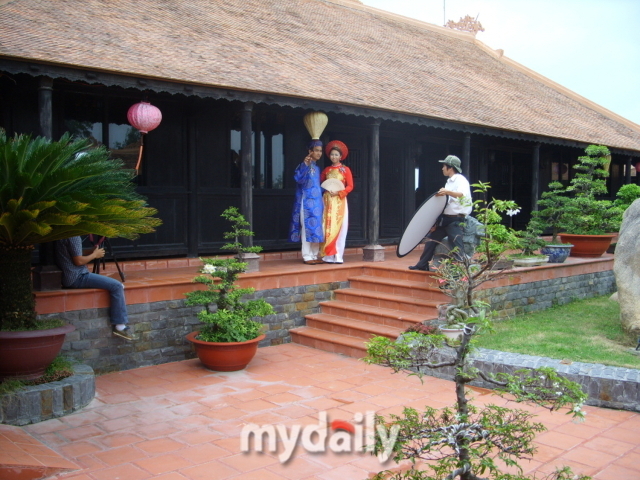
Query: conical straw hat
point(315, 123)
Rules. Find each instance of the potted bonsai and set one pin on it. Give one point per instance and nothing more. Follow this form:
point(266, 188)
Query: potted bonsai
point(229, 337)
point(588, 222)
point(49, 191)
point(528, 242)
point(459, 276)
point(550, 214)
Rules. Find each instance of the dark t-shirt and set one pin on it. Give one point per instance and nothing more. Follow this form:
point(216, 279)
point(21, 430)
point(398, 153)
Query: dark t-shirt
point(66, 249)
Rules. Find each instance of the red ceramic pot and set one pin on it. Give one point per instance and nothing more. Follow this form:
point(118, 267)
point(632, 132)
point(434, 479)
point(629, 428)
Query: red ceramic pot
point(25, 355)
point(225, 356)
point(587, 245)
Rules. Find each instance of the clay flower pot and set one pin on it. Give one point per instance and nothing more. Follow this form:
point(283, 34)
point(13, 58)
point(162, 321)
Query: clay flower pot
point(587, 245)
point(25, 355)
point(227, 356)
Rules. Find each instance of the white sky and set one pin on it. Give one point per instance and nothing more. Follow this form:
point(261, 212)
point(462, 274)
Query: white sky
point(589, 46)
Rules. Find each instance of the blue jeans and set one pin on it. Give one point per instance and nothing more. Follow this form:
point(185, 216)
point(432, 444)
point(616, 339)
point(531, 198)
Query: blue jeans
point(118, 308)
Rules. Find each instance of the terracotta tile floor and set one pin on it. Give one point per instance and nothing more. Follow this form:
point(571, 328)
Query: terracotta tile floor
point(180, 421)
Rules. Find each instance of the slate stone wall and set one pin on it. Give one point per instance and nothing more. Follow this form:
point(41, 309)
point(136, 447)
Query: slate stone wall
point(162, 326)
point(511, 300)
point(610, 387)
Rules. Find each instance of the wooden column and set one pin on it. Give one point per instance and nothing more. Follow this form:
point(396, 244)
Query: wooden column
point(246, 186)
point(192, 227)
point(374, 252)
point(466, 156)
point(45, 96)
point(246, 176)
point(47, 275)
point(627, 172)
point(535, 177)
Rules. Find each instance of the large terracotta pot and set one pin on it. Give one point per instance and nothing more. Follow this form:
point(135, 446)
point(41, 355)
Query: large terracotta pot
point(227, 356)
point(587, 245)
point(25, 355)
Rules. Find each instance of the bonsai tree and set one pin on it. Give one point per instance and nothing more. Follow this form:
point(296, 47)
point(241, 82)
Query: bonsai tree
point(529, 240)
point(551, 211)
point(53, 190)
point(460, 276)
point(466, 442)
point(226, 317)
point(585, 214)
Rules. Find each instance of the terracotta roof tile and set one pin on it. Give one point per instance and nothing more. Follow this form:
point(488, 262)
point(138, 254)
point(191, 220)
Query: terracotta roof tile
point(338, 51)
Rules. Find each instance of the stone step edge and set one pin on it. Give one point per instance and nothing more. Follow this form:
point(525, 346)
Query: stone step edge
point(366, 327)
point(399, 315)
point(338, 338)
point(391, 297)
point(395, 282)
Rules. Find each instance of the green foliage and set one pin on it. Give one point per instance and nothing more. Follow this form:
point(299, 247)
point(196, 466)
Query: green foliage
point(226, 317)
point(465, 442)
point(584, 213)
point(459, 277)
point(497, 238)
point(238, 230)
point(439, 436)
point(627, 194)
point(529, 240)
point(54, 190)
point(551, 211)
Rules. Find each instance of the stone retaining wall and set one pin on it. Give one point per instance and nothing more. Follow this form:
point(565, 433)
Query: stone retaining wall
point(510, 300)
point(50, 400)
point(610, 387)
point(162, 327)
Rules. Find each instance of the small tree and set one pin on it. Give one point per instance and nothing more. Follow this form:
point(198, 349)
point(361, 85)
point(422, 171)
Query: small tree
point(226, 317)
point(585, 214)
point(552, 209)
point(464, 442)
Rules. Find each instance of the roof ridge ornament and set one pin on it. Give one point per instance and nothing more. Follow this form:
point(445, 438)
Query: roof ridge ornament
point(466, 24)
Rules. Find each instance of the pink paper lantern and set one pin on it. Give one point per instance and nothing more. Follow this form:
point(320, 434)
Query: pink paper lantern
point(144, 116)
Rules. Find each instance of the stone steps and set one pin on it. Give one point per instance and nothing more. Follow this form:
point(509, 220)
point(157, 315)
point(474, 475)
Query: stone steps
point(378, 303)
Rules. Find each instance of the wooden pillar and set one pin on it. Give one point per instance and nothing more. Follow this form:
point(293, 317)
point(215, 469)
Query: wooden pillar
point(466, 156)
point(192, 227)
point(246, 177)
point(374, 252)
point(45, 102)
point(246, 187)
point(535, 177)
point(627, 172)
point(47, 275)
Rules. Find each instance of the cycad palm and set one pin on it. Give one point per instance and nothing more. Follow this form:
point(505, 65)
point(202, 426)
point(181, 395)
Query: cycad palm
point(53, 190)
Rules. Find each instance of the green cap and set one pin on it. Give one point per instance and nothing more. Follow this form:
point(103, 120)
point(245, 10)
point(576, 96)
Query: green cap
point(452, 161)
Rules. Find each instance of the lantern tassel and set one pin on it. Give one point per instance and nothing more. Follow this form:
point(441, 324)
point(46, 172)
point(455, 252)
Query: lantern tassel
point(140, 154)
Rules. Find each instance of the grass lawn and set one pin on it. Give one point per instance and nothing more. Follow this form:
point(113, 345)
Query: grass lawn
point(581, 331)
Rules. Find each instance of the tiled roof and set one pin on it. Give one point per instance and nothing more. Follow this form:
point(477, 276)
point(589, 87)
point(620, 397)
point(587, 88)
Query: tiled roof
point(338, 51)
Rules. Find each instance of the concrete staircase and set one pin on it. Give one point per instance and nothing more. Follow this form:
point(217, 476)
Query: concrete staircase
point(382, 301)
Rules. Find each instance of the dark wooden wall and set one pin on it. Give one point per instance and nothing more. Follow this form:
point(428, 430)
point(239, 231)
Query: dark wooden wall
point(188, 172)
